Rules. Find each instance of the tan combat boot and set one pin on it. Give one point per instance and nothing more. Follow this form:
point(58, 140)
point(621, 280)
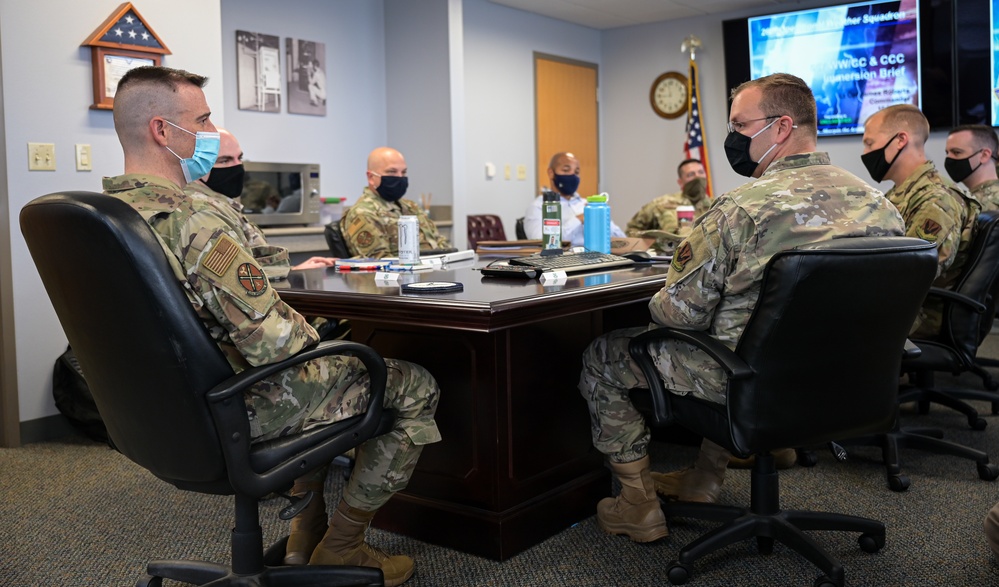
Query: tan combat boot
point(344, 545)
point(701, 482)
point(636, 511)
point(308, 527)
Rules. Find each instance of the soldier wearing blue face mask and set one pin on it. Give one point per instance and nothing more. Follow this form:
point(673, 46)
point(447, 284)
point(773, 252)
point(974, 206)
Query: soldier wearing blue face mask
point(371, 226)
point(563, 176)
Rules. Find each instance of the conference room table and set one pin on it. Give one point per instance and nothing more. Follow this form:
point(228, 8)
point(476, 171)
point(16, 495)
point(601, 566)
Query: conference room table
point(516, 464)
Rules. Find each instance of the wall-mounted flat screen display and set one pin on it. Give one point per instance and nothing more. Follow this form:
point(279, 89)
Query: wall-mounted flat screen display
point(994, 38)
point(857, 58)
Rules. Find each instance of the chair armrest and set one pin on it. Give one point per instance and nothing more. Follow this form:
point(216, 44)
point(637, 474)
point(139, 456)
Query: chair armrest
point(296, 454)
point(946, 294)
point(910, 350)
point(733, 365)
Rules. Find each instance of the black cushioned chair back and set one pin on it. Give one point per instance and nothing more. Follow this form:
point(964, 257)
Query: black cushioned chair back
point(116, 296)
point(825, 339)
point(334, 240)
point(485, 227)
point(521, 233)
point(979, 280)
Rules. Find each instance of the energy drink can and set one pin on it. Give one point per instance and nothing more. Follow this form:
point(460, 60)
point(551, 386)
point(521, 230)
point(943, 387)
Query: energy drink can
point(409, 240)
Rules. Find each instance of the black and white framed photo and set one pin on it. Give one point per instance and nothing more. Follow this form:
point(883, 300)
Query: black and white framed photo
point(258, 66)
point(306, 67)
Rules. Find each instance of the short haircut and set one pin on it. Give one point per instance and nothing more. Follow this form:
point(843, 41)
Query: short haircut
point(679, 168)
point(783, 94)
point(984, 137)
point(553, 163)
point(144, 92)
point(905, 117)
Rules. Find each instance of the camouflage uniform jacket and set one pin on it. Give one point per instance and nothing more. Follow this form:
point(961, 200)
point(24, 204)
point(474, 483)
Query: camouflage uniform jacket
point(660, 213)
point(936, 211)
point(987, 195)
point(371, 226)
point(274, 260)
point(226, 285)
point(714, 280)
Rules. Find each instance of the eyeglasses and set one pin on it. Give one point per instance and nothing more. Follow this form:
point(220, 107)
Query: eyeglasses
point(738, 126)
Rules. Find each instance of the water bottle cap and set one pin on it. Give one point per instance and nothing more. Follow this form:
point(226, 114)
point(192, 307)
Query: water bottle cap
point(597, 198)
point(549, 196)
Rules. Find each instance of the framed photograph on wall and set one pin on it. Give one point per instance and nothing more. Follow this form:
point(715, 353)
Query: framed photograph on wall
point(258, 71)
point(306, 65)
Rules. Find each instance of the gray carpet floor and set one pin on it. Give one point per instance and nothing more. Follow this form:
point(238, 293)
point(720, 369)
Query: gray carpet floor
point(78, 513)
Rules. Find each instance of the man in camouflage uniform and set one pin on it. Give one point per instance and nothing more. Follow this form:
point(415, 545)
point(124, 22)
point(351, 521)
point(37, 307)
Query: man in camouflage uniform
point(713, 284)
point(205, 244)
point(371, 226)
point(660, 213)
point(225, 182)
point(972, 151)
point(933, 209)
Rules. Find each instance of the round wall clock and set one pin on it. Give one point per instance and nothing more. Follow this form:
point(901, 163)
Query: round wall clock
point(669, 95)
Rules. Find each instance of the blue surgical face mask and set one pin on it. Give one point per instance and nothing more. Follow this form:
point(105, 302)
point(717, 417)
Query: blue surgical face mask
point(206, 151)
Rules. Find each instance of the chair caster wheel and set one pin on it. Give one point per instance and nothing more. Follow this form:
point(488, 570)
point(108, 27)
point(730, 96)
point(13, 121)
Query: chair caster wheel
point(807, 458)
point(678, 573)
point(823, 581)
point(901, 482)
point(871, 542)
point(149, 581)
point(978, 424)
point(988, 472)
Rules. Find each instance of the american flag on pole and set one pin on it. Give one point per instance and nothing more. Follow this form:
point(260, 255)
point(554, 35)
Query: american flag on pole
point(694, 146)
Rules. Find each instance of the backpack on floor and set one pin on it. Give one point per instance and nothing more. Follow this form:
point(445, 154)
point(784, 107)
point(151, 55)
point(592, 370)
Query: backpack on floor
point(72, 397)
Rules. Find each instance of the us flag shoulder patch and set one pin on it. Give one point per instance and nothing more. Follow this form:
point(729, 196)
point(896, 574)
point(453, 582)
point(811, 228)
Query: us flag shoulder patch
point(221, 256)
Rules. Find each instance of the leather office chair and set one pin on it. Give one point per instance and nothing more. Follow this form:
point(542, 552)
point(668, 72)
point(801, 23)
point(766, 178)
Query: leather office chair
point(967, 320)
point(334, 240)
point(521, 233)
point(968, 315)
point(485, 227)
point(817, 361)
point(169, 398)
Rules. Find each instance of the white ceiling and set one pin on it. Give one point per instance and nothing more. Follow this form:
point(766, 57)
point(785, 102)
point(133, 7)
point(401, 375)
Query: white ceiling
point(608, 14)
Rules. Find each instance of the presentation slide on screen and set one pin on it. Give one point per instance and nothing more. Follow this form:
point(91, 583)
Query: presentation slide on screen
point(994, 15)
point(857, 58)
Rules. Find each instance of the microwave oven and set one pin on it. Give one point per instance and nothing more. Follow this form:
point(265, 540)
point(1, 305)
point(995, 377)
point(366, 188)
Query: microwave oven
point(281, 194)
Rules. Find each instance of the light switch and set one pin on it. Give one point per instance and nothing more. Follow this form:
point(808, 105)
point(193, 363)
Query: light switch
point(490, 170)
point(83, 161)
point(506, 171)
point(41, 157)
point(522, 172)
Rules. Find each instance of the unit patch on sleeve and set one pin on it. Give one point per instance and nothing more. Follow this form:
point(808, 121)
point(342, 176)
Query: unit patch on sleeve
point(681, 257)
point(929, 230)
point(252, 279)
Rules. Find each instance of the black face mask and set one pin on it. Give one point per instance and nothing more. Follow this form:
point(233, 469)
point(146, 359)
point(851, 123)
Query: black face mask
point(876, 163)
point(227, 181)
point(960, 169)
point(737, 150)
point(393, 188)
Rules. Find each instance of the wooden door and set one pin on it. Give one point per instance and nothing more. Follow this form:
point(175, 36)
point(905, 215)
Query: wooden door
point(566, 117)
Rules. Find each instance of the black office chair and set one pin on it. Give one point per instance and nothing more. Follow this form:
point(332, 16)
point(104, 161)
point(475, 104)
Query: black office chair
point(334, 240)
point(967, 320)
point(968, 314)
point(817, 361)
point(519, 227)
point(484, 227)
point(168, 397)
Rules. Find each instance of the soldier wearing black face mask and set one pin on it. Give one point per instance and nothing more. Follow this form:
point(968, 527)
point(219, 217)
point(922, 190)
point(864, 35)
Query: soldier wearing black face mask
point(932, 208)
point(972, 151)
point(371, 226)
point(225, 182)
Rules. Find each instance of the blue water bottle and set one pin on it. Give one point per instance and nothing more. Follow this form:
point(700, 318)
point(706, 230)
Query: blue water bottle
point(597, 224)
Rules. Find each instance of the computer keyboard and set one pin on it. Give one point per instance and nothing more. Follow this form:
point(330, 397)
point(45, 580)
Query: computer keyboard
point(573, 262)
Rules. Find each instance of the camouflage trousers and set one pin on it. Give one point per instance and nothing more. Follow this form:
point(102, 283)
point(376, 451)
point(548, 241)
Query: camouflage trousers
point(331, 389)
point(619, 430)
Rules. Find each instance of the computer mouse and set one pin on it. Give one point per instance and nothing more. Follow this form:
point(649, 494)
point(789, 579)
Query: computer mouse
point(638, 256)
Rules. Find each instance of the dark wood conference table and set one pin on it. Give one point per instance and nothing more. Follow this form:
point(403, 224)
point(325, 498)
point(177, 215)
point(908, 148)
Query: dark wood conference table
point(516, 464)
